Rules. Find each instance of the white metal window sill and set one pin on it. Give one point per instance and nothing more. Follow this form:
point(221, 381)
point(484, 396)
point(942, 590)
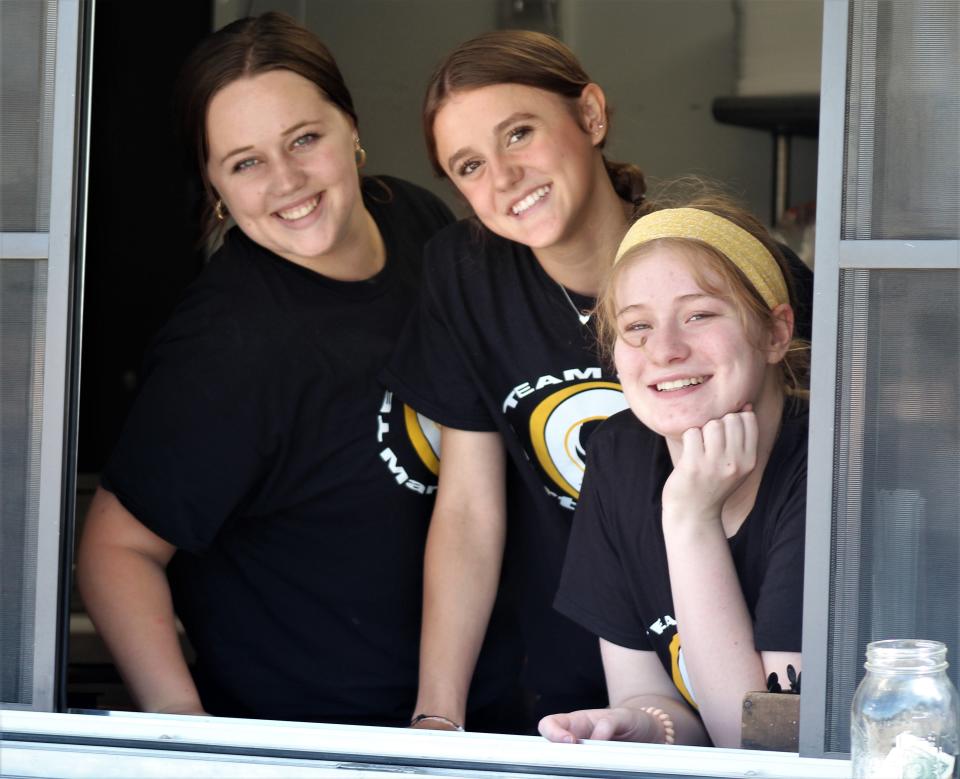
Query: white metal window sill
point(110, 744)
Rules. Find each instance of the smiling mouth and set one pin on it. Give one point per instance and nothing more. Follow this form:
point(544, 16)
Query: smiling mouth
point(530, 200)
point(298, 212)
point(678, 384)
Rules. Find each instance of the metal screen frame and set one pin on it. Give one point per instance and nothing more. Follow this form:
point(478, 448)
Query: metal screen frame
point(57, 248)
point(829, 476)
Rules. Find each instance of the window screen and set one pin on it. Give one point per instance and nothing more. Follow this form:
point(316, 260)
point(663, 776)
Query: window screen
point(28, 34)
point(896, 531)
point(23, 293)
point(902, 174)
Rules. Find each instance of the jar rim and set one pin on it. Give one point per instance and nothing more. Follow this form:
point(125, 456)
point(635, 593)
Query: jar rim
point(907, 645)
point(906, 655)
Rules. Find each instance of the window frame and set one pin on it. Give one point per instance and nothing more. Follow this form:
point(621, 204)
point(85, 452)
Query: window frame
point(369, 748)
point(63, 246)
point(827, 467)
point(57, 249)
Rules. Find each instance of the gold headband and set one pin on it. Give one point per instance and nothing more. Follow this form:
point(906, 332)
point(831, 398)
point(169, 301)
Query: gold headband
point(741, 248)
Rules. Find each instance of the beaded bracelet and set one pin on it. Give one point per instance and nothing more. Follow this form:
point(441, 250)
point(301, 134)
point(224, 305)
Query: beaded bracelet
point(660, 716)
point(439, 717)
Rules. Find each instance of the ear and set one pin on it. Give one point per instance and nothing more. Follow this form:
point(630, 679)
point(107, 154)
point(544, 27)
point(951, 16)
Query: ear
point(592, 104)
point(781, 333)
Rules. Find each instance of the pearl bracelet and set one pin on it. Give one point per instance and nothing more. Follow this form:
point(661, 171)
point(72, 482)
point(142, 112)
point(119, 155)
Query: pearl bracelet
point(660, 716)
point(439, 718)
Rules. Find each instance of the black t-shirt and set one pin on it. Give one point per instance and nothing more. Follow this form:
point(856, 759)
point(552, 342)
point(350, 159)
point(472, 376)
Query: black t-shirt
point(296, 488)
point(496, 346)
point(615, 580)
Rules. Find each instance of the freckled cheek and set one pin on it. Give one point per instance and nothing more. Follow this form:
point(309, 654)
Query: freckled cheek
point(628, 363)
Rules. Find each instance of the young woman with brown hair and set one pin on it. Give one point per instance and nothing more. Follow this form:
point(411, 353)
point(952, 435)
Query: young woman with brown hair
point(501, 354)
point(250, 491)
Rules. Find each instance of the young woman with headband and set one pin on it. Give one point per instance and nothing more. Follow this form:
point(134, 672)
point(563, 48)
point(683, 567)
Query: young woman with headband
point(686, 555)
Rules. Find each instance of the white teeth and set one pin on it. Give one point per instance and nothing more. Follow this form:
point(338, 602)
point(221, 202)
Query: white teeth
point(300, 211)
point(529, 200)
point(667, 386)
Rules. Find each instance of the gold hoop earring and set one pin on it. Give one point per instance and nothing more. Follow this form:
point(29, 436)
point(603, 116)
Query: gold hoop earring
point(359, 153)
point(219, 211)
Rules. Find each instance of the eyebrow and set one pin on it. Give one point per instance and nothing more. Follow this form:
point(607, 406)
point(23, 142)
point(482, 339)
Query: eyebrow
point(680, 299)
point(519, 116)
point(288, 131)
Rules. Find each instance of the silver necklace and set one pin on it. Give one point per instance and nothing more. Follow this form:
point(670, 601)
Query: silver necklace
point(583, 316)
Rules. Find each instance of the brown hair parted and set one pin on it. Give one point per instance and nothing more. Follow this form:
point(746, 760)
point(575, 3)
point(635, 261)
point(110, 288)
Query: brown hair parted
point(719, 275)
point(244, 48)
point(531, 59)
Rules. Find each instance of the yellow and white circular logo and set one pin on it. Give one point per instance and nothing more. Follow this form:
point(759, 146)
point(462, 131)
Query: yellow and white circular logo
point(424, 435)
point(681, 679)
point(409, 445)
point(561, 424)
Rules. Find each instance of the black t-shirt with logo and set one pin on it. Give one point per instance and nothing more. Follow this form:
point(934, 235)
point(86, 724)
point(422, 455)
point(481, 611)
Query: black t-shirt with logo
point(496, 346)
point(616, 581)
point(296, 488)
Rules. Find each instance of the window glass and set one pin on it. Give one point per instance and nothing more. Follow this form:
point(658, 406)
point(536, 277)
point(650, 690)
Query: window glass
point(896, 537)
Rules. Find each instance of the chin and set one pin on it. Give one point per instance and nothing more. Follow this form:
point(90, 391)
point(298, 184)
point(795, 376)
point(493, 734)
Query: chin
point(672, 428)
point(647, 419)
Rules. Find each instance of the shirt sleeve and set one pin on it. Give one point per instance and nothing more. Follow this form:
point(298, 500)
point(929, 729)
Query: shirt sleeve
point(594, 589)
point(778, 616)
point(194, 444)
point(432, 368)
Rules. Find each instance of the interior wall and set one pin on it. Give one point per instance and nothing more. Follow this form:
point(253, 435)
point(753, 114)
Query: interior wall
point(661, 63)
point(387, 50)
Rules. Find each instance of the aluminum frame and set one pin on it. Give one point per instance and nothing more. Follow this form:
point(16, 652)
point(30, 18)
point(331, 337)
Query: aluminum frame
point(816, 590)
point(826, 481)
point(56, 352)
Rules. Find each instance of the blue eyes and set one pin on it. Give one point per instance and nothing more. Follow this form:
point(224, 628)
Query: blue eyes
point(302, 142)
point(305, 140)
point(636, 327)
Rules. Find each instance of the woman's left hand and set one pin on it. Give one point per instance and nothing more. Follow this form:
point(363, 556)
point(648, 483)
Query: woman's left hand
point(614, 724)
point(716, 458)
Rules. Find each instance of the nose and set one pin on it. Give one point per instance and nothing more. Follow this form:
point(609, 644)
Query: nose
point(666, 344)
point(288, 176)
point(505, 171)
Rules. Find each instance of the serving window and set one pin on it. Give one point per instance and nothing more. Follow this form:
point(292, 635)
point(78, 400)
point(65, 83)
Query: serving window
point(883, 539)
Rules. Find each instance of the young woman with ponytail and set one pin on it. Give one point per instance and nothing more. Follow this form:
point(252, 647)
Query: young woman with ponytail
point(502, 354)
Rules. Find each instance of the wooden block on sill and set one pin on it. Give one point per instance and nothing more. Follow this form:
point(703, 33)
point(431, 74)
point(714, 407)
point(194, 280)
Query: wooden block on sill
point(770, 721)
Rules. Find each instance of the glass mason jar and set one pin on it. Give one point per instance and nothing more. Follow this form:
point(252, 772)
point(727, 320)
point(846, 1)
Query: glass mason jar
point(905, 722)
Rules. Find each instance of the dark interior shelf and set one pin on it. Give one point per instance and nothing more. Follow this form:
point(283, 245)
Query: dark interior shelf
point(785, 114)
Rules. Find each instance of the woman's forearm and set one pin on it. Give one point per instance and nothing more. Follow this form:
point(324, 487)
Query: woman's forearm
point(715, 626)
point(462, 572)
point(461, 568)
point(685, 727)
point(121, 577)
